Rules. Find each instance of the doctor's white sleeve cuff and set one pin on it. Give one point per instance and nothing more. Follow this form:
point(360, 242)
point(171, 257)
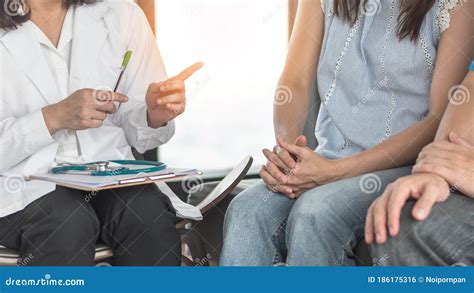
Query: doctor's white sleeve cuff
point(34, 131)
point(141, 136)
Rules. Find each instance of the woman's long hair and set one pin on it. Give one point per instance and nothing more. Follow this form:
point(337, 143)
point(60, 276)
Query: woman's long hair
point(410, 20)
point(15, 12)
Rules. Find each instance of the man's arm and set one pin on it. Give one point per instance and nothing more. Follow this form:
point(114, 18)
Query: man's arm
point(447, 161)
point(451, 156)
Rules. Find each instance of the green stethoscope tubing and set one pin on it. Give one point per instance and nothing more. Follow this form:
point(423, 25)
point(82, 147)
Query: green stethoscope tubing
point(89, 168)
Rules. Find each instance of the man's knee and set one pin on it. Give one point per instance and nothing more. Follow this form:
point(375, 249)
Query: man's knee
point(404, 247)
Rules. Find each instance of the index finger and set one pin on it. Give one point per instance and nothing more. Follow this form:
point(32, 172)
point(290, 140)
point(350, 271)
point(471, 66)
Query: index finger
point(116, 97)
point(104, 97)
point(292, 149)
point(369, 224)
point(185, 74)
point(398, 197)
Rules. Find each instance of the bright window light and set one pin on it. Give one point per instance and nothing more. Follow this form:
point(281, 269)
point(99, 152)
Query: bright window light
point(230, 102)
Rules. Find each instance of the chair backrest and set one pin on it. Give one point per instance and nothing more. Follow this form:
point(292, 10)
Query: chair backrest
point(151, 155)
point(226, 185)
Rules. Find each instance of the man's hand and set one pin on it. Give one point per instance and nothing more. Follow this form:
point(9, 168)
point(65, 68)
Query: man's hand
point(166, 100)
point(84, 109)
point(384, 213)
point(454, 161)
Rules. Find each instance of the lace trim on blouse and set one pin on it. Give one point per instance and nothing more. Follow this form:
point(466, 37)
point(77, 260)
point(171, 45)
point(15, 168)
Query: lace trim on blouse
point(445, 10)
point(443, 16)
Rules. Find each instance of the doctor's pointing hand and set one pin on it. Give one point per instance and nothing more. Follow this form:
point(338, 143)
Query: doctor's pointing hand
point(166, 100)
point(87, 108)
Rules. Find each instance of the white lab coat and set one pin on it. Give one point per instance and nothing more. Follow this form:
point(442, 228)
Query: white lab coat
point(103, 32)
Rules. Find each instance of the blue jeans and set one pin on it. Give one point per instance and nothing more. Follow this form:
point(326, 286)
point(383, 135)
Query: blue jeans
point(320, 228)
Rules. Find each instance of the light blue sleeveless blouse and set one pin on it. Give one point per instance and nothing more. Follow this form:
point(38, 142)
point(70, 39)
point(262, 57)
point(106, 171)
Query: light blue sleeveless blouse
point(372, 85)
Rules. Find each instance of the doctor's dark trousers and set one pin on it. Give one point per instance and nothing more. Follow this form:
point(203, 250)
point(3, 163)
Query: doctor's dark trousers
point(64, 226)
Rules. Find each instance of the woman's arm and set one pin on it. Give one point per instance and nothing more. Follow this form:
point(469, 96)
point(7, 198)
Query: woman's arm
point(459, 116)
point(454, 54)
point(298, 79)
point(295, 89)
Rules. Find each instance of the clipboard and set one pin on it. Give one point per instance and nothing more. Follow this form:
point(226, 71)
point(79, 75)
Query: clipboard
point(95, 183)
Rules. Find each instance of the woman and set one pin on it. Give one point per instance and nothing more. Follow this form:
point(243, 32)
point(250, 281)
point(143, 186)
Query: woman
point(60, 61)
point(374, 63)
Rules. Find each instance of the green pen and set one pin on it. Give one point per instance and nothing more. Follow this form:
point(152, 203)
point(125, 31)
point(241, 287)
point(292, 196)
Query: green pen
point(126, 60)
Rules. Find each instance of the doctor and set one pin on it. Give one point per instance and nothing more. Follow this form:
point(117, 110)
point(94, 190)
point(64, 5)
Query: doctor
point(59, 61)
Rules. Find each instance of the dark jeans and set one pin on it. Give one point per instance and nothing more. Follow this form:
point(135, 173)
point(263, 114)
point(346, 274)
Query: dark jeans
point(63, 227)
point(445, 238)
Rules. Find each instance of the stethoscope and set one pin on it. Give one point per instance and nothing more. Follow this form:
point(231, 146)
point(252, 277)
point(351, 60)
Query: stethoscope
point(108, 168)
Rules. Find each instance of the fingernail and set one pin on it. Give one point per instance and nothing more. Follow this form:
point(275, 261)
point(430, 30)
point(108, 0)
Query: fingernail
point(420, 213)
point(391, 230)
point(378, 237)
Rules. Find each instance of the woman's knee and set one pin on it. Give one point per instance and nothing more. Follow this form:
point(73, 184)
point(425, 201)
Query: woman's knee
point(315, 210)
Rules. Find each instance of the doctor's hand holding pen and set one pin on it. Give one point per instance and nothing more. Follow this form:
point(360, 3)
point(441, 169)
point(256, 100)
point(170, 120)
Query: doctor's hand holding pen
point(88, 108)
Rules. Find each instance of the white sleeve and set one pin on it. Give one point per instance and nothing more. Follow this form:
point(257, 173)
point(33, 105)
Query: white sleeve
point(145, 67)
point(21, 137)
